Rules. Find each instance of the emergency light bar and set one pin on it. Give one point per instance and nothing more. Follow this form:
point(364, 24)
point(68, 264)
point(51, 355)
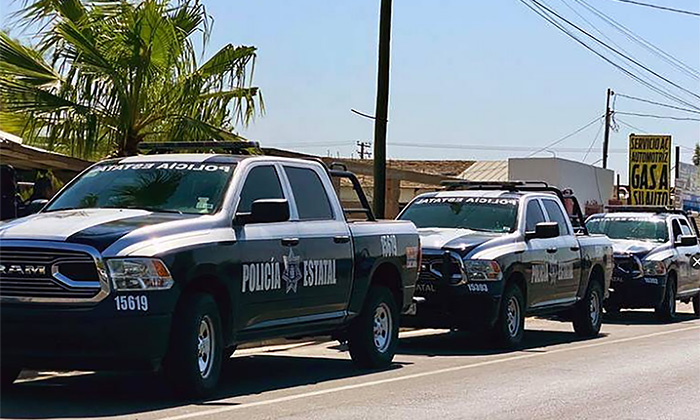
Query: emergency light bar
point(229, 147)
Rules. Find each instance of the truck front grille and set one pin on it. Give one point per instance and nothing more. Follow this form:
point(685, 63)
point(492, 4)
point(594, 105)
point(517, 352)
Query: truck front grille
point(45, 273)
point(627, 267)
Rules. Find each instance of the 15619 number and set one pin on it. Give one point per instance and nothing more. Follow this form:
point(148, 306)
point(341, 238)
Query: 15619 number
point(132, 303)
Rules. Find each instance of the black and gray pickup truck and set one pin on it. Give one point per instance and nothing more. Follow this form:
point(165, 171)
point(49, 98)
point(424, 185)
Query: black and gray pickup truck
point(172, 260)
point(657, 258)
point(494, 253)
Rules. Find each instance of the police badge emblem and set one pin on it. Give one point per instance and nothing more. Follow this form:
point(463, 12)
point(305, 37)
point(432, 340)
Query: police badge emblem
point(292, 272)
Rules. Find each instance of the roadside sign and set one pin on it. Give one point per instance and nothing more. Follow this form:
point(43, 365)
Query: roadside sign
point(650, 170)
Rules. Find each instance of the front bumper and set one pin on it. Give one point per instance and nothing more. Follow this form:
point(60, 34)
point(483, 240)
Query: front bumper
point(84, 338)
point(471, 306)
point(644, 292)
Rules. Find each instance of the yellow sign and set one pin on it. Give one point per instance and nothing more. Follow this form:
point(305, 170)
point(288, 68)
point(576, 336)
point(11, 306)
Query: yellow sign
point(650, 170)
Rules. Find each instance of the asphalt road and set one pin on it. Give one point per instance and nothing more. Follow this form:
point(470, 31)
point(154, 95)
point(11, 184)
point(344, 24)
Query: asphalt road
point(637, 369)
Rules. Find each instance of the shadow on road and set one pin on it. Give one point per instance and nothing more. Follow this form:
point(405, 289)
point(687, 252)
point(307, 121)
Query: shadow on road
point(643, 317)
point(112, 394)
point(473, 344)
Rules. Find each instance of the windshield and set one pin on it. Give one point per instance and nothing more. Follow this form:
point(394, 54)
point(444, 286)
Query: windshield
point(476, 213)
point(175, 187)
point(641, 229)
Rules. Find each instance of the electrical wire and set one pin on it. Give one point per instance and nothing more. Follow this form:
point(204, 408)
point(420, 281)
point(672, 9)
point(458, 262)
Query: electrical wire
point(494, 148)
point(656, 6)
point(595, 140)
point(554, 143)
point(632, 127)
point(666, 117)
point(611, 49)
point(608, 60)
point(634, 98)
point(673, 61)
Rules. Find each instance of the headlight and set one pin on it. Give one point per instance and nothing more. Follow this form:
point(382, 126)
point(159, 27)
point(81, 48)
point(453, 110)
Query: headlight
point(483, 270)
point(654, 268)
point(139, 274)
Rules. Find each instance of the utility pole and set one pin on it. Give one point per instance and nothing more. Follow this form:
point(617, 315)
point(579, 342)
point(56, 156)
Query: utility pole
point(608, 117)
point(382, 109)
point(363, 149)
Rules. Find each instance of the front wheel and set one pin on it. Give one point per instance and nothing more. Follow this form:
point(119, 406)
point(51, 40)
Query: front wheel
point(666, 311)
point(510, 326)
point(194, 358)
point(374, 334)
point(588, 313)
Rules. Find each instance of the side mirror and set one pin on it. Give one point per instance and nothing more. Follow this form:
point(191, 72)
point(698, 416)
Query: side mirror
point(35, 206)
point(265, 211)
point(543, 230)
point(687, 240)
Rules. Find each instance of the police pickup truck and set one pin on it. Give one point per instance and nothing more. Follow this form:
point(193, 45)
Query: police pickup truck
point(172, 260)
point(655, 254)
point(494, 253)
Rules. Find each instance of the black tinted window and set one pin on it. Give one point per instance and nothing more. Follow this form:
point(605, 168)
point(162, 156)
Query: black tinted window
point(309, 194)
point(262, 183)
point(556, 215)
point(534, 216)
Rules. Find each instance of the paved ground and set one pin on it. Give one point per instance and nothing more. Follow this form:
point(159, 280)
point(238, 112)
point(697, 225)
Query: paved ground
point(637, 369)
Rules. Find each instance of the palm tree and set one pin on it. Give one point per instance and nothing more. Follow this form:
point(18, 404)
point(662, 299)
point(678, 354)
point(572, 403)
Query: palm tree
point(106, 75)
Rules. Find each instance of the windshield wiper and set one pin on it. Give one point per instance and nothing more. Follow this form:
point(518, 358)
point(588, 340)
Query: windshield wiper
point(153, 209)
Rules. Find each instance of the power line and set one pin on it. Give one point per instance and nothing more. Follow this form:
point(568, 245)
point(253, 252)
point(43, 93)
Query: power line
point(666, 117)
point(639, 40)
point(631, 126)
point(656, 6)
point(494, 148)
point(608, 47)
point(554, 143)
point(656, 103)
point(595, 139)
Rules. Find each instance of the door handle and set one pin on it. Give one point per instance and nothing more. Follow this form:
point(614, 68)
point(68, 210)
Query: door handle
point(552, 250)
point(342, 239)
point(290, 241)
point(575, 248)
point(690, 254)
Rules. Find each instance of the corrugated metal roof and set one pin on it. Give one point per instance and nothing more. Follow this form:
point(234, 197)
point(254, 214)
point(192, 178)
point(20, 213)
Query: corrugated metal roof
point(486, 170)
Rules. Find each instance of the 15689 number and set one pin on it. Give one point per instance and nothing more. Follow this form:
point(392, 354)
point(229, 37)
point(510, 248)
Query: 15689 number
point(132, 303)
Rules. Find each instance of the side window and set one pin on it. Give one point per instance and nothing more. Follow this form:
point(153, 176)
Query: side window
point(685, 228)
point(309, 194)
point(533, 215)
point(556, 215)
point(262, 182)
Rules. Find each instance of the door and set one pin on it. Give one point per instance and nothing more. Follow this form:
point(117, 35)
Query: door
point(263, 251)
point(537, 257)
point(565, 271)
point(689, 279)
point(325, 248)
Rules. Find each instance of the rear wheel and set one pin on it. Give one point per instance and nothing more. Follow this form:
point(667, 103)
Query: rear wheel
point(510, 326)
point(666, 311)
point(588, 313)
point(193, 363)
point(374, 334)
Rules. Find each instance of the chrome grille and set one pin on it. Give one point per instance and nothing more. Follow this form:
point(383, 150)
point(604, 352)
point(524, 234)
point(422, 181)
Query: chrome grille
point(46, 274)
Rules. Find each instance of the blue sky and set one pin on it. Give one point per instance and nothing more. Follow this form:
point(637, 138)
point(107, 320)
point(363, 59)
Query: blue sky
point(487, 73)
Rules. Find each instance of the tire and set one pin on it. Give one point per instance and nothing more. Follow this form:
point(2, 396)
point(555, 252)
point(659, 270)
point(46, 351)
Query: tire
point(193, 363)
point(666, 310)
point(696, 305)
point(374, 335)
point(8, 375)
point(588, 313)
point(510, 325)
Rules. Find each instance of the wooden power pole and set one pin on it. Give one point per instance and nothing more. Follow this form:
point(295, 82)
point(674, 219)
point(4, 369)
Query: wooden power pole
point(608, 117)
point(382, 109)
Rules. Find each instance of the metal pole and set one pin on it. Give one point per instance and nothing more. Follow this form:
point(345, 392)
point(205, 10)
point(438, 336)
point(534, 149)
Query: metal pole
point(606, 139)
point(381, 113)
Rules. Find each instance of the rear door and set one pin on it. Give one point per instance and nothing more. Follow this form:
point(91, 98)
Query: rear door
point(325, 247)
point(565, 265)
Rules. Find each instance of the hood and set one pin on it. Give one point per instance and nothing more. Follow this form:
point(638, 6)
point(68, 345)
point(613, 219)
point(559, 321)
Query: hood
point(638, 248)
point(462, 240)
point(98, 228)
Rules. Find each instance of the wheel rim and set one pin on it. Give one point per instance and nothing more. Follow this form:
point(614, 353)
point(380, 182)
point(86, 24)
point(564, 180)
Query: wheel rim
point(594, 308)
point(205, 346)
point(513, 316)
point(382, 327)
